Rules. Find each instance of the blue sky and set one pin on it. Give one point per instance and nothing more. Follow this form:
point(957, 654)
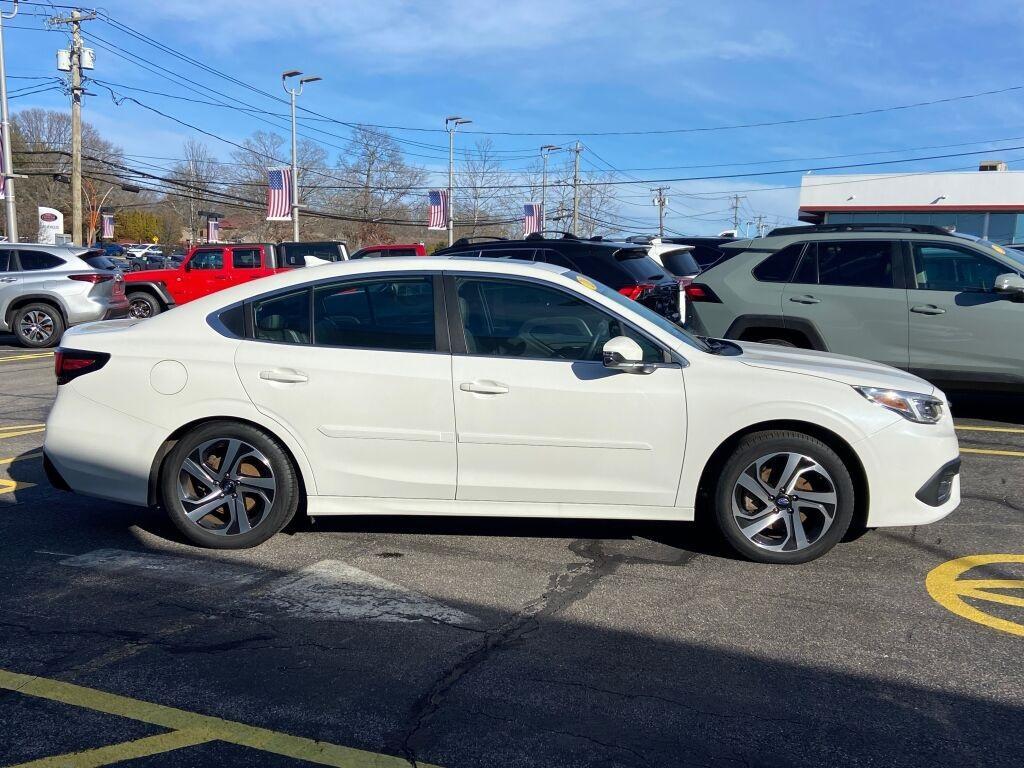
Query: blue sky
point(584, 66)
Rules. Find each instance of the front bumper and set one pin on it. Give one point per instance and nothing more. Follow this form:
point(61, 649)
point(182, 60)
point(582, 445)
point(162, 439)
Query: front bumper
point(905, 464)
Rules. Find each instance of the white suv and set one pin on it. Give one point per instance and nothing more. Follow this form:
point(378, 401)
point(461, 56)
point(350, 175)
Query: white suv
point(45, 289)
point(486, 387)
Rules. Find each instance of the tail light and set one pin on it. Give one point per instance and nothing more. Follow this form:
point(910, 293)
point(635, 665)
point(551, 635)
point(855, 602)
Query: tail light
point(69, 364)
point(94, 278)
point(700, 292)
point(634, 292)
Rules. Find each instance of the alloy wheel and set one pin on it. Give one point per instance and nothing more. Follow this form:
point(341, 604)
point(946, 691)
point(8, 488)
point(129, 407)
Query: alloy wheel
point(226, 486)
point(140, 309)
point(36, 326)
point(784, 502)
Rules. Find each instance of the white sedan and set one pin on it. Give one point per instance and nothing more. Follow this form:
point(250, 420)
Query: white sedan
point(479, 387)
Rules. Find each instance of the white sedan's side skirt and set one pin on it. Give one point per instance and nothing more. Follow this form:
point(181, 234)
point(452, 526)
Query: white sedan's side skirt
point(363, 505)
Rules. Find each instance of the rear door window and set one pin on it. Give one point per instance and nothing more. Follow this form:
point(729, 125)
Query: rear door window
point(33, 261)
point(396, 314)
point(522, 254)
point(867, 264)
point(557, 259)
point(245, 258)
point(295, 253)
point(282, 318)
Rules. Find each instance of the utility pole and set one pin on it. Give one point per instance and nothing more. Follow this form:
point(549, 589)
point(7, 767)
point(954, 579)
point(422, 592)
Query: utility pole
point(761, 226)
point(546, 150)
point(293, 93)
point(736, 214)
point(5, 137)
point(576, 189)
point(75, 20)
point(661, 201)
point(451, 124)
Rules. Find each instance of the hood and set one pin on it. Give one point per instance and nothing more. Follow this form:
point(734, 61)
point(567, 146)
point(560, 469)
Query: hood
point(847, 370)
point(151, 275)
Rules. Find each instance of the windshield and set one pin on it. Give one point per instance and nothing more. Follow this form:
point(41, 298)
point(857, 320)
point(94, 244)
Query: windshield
point(1017, 257)
point(648, 314)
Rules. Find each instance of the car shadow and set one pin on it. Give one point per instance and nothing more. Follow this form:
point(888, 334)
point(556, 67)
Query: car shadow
point(989, 406)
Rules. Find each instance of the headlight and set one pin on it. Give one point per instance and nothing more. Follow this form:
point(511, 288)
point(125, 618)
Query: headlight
point(913, 406)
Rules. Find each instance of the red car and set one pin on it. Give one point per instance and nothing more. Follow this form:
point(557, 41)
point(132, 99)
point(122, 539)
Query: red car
point(395, 249)
point(210, 268)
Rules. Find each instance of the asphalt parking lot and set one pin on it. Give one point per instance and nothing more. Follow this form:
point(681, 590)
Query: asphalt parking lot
point(385, 642)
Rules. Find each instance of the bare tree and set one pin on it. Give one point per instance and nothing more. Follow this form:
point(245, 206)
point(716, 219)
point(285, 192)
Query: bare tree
point(484, 192)
point(199, 176)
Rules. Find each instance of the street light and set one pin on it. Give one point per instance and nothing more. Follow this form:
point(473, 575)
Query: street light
point(293, 92)
point(451, 123)
point(546, 150)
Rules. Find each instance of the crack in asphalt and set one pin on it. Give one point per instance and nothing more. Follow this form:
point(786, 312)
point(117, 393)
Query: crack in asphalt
point(563, 589)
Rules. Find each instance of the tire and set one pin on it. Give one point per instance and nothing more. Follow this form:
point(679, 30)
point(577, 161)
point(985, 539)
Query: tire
point(769, 478)
point(142, 304)
point(258, 494)
point(38, 326)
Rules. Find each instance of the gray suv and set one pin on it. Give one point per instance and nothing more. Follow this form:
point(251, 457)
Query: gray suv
point(45, 289)
point(947, 307)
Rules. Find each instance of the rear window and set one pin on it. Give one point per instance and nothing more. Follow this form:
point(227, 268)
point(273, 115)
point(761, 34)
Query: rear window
point(638, 266)
point(33, 261)
point(294, 254)
point(98, 260)
point(680, 263)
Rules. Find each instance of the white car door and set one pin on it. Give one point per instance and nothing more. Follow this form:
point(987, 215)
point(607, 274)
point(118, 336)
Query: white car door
point(366, 387)
point(539, 418)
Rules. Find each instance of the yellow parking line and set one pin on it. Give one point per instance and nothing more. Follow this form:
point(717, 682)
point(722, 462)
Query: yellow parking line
point(196, 725)
point(129, 750)
point(4, 434)
point(992, 452)
point(25, 457)
point(33, 356)
point(1012, 430)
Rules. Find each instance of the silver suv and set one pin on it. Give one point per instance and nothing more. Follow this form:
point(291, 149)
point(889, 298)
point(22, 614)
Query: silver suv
point(949, 308)
point(45, 289)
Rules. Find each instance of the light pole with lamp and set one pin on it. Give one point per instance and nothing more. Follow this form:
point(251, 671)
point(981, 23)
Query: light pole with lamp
point(293, 92)
point(451, 124)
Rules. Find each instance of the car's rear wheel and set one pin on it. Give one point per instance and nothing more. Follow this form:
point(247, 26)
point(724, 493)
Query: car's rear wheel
point(227, 485)
point(784, 497)
point(142, 305)
point(38, 326)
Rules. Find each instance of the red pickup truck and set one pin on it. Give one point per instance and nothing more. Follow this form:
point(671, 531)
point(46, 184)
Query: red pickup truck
point(210, 268)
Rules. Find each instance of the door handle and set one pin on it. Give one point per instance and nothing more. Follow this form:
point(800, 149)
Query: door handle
point(284, 377)
point(484, 387)
point(805, 300)
point(928, 309)
point(7, 279)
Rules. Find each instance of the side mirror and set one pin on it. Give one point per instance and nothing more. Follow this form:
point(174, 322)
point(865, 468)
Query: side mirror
point(623, 354)
point(1012, 284)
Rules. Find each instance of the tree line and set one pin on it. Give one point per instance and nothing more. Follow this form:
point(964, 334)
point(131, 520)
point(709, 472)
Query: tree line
point(364, 195)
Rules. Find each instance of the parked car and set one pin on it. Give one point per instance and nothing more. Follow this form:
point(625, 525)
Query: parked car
point(677, 260)
point(210, 268)
point(706, 250)
point(624, 267)
point(943, 306)
point(391, 250)
point(486, 387)
point(143, 249)
point(113, 250)
point(45, 289)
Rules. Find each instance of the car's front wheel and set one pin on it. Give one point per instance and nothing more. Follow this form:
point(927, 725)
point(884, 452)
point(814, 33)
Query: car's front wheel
point(784, 497)
point(227, 485)
point(38, 326)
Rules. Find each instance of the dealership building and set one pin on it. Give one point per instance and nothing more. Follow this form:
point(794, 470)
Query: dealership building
point(988, 202)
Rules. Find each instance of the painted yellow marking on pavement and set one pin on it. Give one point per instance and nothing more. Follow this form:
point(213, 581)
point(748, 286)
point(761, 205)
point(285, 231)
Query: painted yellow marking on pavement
point(206, 726)
point(33, 356)
point(992, 452)
point(949, 590)
point(10, 486)
point(26, 457)
point(129, 750)
point(1012, 430)
point(4, 434)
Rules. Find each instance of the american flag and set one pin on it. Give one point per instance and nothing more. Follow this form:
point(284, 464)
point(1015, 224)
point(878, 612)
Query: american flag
point(531, 218)
point(438, 217)
point(279, 194)
point(213, 230)
point(108, 226)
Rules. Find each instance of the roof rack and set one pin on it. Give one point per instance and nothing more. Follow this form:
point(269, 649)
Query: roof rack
point(539, 235)
point(478, 238)
point(923, 229)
